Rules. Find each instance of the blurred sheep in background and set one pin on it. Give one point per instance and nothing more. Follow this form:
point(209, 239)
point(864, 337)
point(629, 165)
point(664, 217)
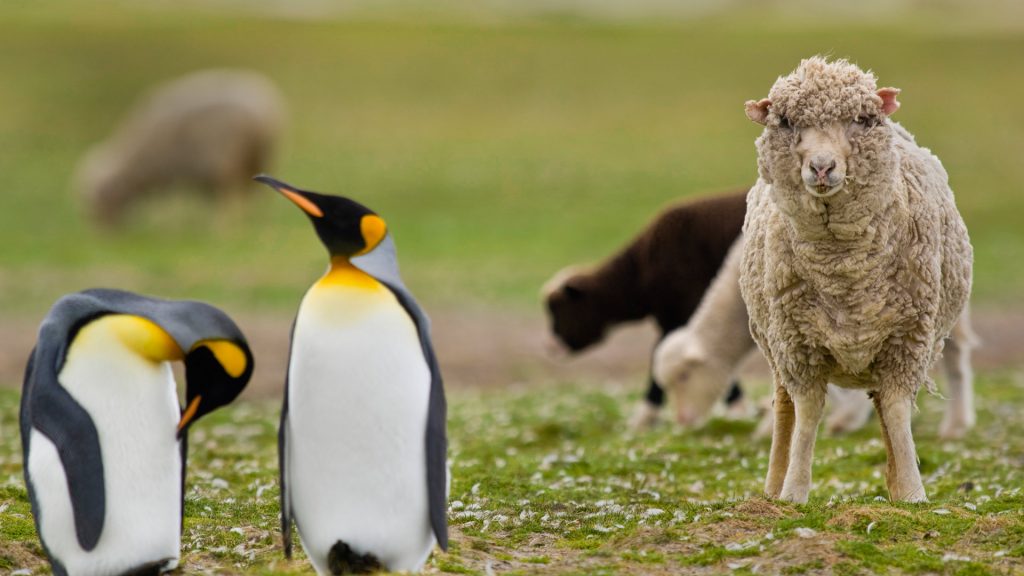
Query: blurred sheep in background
point(211, 130)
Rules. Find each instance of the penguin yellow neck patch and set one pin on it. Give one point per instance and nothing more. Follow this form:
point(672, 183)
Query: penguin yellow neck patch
point(139, 334)
point(228, 355)
point(344, 273)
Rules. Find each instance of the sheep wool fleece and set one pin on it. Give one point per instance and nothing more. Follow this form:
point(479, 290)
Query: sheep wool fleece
point(859, 288)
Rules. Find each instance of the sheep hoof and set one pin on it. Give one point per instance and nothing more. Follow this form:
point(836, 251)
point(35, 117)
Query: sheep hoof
point(954, 428)
point(916, 497)
point(796, 496)
point(645, 416)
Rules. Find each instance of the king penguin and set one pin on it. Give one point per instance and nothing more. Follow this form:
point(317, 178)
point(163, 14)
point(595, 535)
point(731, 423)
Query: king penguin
point(103, 433)
point(362, 442)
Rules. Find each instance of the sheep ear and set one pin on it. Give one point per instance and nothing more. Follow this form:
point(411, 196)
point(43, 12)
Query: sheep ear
point(889, 103)
point(572, 291)
point(695, 353)
point(757, 110)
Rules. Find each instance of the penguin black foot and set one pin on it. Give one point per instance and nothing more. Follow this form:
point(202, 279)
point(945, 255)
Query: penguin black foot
point(344, 560)
point(149, 569)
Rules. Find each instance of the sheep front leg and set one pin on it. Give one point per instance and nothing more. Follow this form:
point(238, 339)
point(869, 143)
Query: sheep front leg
point(782, 434)
point(646, 413)
point(956, 361)
point(901, 473)
point(810, 407)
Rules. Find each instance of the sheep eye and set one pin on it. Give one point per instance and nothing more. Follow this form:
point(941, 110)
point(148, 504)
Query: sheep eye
point(865, 121)
point(784, 123)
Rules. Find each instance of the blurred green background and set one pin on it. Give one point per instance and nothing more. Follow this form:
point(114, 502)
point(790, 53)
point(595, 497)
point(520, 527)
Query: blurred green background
point(501, 140)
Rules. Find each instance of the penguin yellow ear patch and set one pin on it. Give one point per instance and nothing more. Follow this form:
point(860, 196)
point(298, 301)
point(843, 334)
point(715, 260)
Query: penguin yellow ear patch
point(302, 202)
point(228, 354)
point(374, 229)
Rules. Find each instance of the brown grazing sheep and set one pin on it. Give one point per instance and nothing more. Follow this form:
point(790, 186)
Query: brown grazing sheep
point(212, 129)
point(662, 273)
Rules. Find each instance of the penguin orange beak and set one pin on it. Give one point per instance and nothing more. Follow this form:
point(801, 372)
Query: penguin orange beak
point(305, 204)
point(189, 414)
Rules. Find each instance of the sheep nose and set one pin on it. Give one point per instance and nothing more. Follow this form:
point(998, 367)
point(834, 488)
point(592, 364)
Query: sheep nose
point(822, 166)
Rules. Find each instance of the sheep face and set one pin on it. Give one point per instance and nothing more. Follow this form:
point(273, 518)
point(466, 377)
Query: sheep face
point(823, 153)
point(826, 128)
point(100, 185)
point(694, 379)
point(575, 309)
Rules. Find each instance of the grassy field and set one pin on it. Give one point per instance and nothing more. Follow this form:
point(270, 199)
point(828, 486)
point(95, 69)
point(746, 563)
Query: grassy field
point(499, 150)
point(549, 481)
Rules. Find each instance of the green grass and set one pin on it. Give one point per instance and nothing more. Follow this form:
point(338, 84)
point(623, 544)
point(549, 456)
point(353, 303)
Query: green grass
point(498, 152)
point(547, 480)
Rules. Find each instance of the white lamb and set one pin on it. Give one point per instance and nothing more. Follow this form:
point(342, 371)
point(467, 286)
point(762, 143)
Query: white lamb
point(697, 363)
point(856, 267)
point(213, 129)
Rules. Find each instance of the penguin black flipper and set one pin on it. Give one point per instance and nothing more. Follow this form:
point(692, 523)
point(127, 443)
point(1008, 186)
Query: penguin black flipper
point(25, 425)
point(436, 436)
point(282, 462)
point(286, 511)
point(50, 409)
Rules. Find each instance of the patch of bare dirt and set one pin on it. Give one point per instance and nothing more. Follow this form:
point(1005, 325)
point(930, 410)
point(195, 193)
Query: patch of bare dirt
point(729, 530)
point(761, 508)
point(992, 535)
point(862, 515)
point(489, 556)
point(476, 348)
point(814, 555)
point(20, 556)
point(988, 530)
point(541, 554)
point(494, 347)
point(657, 540)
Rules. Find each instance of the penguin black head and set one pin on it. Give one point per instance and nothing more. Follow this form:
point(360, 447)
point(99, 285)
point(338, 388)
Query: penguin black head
point(216, 372)
point(346, 227)
point(217, 358)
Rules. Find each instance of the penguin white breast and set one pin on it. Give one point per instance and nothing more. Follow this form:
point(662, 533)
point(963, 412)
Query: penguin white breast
point(358, 396)
point(133, 404)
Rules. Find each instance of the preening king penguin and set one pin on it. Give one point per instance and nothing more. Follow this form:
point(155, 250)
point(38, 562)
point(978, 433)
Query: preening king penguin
point(103, 434)
point(362, 443)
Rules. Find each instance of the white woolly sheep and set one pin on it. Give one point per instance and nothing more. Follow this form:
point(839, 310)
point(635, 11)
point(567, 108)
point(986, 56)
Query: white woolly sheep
point(856, 267)
point(212, 129)
point(697, 362)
